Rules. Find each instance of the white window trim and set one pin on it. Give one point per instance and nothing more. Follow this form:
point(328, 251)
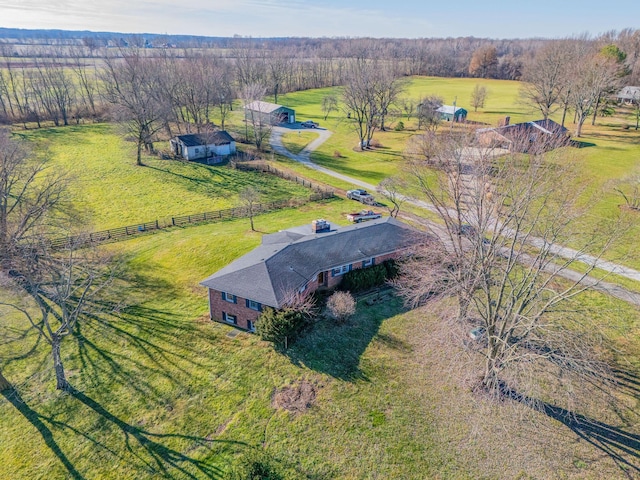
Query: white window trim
point(367, 263)
point(227, 297)
point(231, 319)
point(342, 269)
point(253, 305)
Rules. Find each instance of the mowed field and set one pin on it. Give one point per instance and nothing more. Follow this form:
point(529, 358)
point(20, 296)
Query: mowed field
point(610, 153)
point(111, 191)
point(165, 393)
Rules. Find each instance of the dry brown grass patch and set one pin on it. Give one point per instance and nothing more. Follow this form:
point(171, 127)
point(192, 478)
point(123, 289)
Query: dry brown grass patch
point(296, 398)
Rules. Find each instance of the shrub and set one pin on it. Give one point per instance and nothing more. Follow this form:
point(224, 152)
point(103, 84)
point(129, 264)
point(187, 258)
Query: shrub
point(341, 305)
point(280, 326)
point(255, 466)
point(399, 126)
point(366, 278)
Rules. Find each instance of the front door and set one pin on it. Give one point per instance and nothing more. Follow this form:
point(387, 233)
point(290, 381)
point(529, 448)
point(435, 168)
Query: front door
point(322, 279)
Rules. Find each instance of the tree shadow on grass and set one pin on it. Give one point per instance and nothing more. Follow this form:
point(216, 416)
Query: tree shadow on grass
point(146, 337)
point(621, 446)
point(14, 398)
point(161, 458)
point(581, 144)
point(335, 349)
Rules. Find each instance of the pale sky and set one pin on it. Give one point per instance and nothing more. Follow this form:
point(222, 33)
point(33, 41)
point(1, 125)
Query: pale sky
point(328, 18)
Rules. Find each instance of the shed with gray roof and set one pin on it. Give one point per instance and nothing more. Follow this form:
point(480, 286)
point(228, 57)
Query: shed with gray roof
point(270, 113)
point(195, 146)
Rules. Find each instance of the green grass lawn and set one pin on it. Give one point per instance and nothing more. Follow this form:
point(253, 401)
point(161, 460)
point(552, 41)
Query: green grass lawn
point(611, 152)
point(296, 141)
point(165, 393)
point(112, 191)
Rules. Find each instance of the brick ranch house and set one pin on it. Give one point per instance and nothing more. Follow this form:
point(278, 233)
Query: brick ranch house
point(297, 260)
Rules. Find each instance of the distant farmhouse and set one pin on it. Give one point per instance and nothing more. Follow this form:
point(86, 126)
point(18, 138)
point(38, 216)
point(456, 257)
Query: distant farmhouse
point(519, 137)
point(270, 113)
point(628, 95)
point(300, 259)
point(203, 145)
point(451, 113)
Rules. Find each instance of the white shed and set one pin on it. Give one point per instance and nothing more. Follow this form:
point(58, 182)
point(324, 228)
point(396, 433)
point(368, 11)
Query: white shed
point(203, 145)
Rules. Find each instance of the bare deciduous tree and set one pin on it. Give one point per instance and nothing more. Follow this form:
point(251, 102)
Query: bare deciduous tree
point(498, 250)
point(256, 118)
point(590, 77)
point(61, 284)
point(329, 104)
point(391, 188)
point(132, 86)
point(546, 77)
point(427, 112)
point(478, 97)
point(250, 197)
point(52, 287)
point(359, 97)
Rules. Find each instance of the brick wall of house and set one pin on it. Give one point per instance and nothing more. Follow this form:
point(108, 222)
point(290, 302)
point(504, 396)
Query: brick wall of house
point(243, 314)
point(334, 281)
point(239, 309)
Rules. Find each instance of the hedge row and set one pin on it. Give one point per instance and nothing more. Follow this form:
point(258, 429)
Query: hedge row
point(366, 278)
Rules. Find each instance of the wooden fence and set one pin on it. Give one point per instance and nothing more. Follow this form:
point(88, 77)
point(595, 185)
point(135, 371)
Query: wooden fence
point(263, 167)
point(122, 233)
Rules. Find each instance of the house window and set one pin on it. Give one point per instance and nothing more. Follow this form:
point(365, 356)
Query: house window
point(253, 305)
point(336, 272)
point(227, 317)
point(227, 297)
point(251, 326)
point(197, 150)
point(368, 263)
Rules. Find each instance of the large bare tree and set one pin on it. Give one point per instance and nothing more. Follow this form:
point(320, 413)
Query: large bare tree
point(546, 77)
point(52, 288)
point(359, 98)
point(132, 86)
point(498, 250)
point(593, 74)
point(256, 118)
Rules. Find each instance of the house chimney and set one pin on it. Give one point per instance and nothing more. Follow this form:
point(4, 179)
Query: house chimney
point(320, 225)
point(507, 119)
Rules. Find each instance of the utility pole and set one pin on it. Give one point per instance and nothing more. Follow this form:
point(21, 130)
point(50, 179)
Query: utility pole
point(453, 117)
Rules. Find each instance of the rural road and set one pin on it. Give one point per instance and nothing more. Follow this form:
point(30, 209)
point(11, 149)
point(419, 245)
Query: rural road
point(304, 157)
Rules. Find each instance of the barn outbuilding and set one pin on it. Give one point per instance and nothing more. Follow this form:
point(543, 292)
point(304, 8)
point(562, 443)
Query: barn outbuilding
point(270, 113)
point(196, 146)
point(449, 113)
point(629, 95)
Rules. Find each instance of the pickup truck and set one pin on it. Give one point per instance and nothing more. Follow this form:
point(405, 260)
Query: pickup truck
point(363, 216)
point(361, 196)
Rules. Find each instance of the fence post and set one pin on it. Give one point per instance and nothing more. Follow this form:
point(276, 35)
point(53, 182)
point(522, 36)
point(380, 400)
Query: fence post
point(157, 227)
point(173, 221)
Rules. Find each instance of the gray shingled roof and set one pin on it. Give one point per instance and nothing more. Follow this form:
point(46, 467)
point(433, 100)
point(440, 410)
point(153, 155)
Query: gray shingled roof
point(449, 109)
point(286, 260)
point(263, 107)
point(548, 127)
point(629, 93)
point(220, 137)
